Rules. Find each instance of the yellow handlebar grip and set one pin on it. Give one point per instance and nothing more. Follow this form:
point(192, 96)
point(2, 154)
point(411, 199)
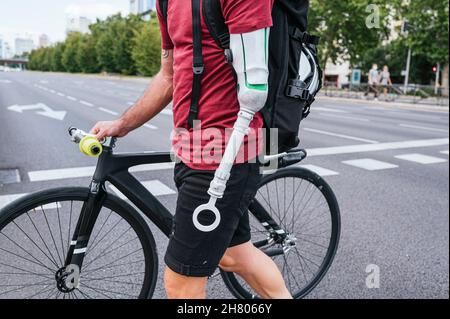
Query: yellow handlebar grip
point(90, 146)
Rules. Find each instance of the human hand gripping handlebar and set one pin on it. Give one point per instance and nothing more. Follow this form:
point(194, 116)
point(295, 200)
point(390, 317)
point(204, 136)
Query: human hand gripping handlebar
point(88, 143)
point(250, 51)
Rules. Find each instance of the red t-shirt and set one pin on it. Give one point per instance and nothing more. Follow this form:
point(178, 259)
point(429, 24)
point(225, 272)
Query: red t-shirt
point(218, 106)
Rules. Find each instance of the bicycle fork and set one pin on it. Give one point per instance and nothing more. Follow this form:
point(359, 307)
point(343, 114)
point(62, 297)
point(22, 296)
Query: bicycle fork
point(68, 277)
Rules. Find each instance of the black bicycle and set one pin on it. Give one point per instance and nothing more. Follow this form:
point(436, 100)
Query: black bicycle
point(86, 243)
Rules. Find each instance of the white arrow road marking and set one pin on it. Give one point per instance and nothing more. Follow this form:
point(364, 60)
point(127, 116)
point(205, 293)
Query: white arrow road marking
point(45, 110)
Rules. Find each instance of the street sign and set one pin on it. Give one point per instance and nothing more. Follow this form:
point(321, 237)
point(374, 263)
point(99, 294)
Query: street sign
point(42, 109)
point(356, 77)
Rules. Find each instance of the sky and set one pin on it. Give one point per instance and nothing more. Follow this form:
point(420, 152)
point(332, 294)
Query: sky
point(20, 18)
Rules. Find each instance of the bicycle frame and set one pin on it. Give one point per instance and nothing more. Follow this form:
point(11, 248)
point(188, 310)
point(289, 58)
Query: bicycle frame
point(114, 168)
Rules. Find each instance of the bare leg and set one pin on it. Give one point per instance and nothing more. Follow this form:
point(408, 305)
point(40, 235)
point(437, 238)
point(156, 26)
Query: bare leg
point(257, 269)
point(182, 287)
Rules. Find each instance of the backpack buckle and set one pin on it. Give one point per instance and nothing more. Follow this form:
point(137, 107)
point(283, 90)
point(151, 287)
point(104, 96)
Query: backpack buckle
point(297, 89)
point(198, 69)
point(228, 55)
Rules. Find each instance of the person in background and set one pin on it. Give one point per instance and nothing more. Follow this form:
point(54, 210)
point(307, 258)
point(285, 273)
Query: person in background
point(385, 80)
point(374, 81)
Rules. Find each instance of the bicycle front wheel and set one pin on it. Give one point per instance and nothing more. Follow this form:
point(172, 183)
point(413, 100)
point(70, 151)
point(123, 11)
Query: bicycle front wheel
point(35, 234)
point(295, 219)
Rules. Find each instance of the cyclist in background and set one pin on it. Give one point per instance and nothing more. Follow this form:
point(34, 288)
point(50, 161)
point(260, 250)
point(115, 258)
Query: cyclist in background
point(192, 255)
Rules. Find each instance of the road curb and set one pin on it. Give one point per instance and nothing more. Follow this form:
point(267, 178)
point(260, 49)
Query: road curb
point(99, 76)
point(444, 108)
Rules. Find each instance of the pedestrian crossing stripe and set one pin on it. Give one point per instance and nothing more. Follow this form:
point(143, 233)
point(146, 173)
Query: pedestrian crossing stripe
point(370, 164)
point(421, 159)
point(156, 187)
point(445, 152)
point(320, 170)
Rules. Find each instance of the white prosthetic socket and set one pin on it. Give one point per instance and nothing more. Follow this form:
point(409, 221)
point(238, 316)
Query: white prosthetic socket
point(250, 61)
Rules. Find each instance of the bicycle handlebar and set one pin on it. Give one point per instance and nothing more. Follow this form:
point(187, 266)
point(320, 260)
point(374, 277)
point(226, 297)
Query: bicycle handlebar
point(89, 145)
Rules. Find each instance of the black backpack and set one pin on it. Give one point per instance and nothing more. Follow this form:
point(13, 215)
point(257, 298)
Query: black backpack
point(295, 75)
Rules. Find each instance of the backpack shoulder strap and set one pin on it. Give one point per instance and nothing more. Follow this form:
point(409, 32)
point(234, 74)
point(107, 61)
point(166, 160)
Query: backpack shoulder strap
point(163, 6)
point(214, 19)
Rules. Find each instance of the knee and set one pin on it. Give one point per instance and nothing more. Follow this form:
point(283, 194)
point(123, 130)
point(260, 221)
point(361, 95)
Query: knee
point(182, 287)
point(238, 260)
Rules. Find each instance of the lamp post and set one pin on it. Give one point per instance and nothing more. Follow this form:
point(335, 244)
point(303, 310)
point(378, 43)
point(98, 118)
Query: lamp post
point(406, 26)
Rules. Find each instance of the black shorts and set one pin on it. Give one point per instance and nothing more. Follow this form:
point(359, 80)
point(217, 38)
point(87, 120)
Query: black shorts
point(192, 252)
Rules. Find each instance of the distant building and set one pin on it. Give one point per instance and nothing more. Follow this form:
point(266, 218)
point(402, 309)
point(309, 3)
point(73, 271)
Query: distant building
point(1, 48)
point(77, 24)
point(23, 45)
point(141, 6)
point(44, 41)
point(7, 52)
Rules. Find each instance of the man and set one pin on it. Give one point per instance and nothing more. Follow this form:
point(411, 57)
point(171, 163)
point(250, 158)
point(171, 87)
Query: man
point(193, 255)
point(374, 80)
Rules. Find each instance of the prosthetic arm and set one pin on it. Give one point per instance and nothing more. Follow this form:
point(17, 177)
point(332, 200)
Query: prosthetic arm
point(250, 61)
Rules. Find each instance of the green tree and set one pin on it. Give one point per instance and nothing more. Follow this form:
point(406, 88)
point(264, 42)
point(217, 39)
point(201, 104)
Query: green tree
point(343, 28)
point(69, 57)
point(147, 49)
point(86, 55)
point(430, 27)
point(56, 61)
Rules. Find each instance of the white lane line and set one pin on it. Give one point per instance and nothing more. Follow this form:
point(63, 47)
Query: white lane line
point(60, 94)
point(370, 164)
point(108, 111)
point(376, 147)
point(152, 127)
point(79, 172)
point(71, 98)
point(445, 152)
point(329, 109)
point(52, 91)
point(320, 170)
point(152, 167)
point(168, 112)
point(421, 159)
point(5, 81)
point(424, 128)
point(359, 119)
point(87, 103)
point(155, 187)
point(6, 199)
point(341, 136)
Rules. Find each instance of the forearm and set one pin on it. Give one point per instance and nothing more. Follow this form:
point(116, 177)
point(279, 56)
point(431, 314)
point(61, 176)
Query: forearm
point(153, 101)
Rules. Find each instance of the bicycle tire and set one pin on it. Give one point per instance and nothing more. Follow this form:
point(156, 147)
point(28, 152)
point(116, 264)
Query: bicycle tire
point(231, 280)
point(22, 206)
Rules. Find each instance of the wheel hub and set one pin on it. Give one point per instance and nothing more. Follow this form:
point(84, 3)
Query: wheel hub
point(62, 277)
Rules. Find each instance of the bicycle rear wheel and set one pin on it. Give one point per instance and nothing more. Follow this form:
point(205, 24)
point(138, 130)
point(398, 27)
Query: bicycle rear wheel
point(35, 234)
point(295, 219)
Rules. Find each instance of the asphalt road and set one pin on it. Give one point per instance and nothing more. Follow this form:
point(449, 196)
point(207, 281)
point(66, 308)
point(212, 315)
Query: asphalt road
point(388, 167)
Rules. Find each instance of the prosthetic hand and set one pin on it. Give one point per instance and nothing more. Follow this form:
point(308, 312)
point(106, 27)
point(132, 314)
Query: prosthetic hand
point(250, 61)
